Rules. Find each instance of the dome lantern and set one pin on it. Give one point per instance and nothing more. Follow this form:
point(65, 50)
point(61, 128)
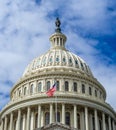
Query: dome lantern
point(58, 39)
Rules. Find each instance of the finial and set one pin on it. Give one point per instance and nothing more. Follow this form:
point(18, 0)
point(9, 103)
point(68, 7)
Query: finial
point(58, 23)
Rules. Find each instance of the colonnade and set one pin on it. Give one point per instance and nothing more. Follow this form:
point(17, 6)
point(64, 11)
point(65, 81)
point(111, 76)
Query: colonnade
point(26, 121)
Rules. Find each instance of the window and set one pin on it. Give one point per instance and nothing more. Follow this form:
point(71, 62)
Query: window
point(83, 88)
point(58, 116)
point(64, 60)
point(57, 85)
point(70, 60)
point(96, 93)
point(25, 90)
point(57, 58)
point(79, 123)
point(47, 118)
point(67, 118)
point(48, 85)
point(66, 86)
point(82, 66)
point(31, 88)
point(44, 60)
point(36, 120)
point(39, 87)
point(76, 62)
point(75, 87)
point(90, 91)
point(100, 94)
point(50, 59)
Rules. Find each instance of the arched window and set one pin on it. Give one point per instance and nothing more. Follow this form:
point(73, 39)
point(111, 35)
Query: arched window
point(75, 87)
point(47, 118)
point(39, 86)
point(36, 120)
point(83, 88)
point(67, 118)
point(96, 93)
point(66, 86)
point(48, 85)
point(57, 85)
point(58, 116)
point(79, 121)
point(31, 88)
point(90, 91)
point(25, 90)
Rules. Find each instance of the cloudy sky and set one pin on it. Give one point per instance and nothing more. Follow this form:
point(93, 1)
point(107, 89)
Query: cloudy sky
point(25, 27)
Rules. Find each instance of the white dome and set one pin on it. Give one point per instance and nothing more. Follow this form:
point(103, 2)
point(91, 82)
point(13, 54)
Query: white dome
point(57, 58)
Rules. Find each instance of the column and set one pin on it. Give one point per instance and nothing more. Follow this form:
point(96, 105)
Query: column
point(113, 124)
point(28, 118)
point(24, 121)
point(51, 113)
point(86, 118)
point(2, 125)
point(82, 120)
point(62, 85)
point(5, 124)
point(19, 120)
point(39, 116)
point(91, 122)
point(96, 119)
point(103, 121)
point(11, 121)
point(63, 113)
point(75, 116)
point(32, 121)
point(109, 122)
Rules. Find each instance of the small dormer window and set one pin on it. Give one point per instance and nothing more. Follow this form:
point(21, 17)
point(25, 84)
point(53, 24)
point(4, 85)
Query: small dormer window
point(64, 60)
point(50, 59)
point(82, 66)
point(70, 60)
point(76, 62)
point(44, 60)
point(57, 58)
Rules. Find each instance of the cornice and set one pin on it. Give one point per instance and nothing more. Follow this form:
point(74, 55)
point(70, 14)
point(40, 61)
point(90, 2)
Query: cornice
point(63, 98)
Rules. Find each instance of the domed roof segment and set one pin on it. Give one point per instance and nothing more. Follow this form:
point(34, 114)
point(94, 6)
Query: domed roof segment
point(57, 57)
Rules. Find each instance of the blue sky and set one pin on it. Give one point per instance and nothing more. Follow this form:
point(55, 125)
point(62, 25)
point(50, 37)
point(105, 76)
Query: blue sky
point(25, 27)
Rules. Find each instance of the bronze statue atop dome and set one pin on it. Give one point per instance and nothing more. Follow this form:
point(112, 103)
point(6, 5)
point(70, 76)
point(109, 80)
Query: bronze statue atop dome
point(58, 23)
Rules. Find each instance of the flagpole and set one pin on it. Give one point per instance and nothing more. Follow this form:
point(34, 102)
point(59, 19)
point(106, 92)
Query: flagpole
point(56, 107)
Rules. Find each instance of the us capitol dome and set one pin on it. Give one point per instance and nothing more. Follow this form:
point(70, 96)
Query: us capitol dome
point(79, 102)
